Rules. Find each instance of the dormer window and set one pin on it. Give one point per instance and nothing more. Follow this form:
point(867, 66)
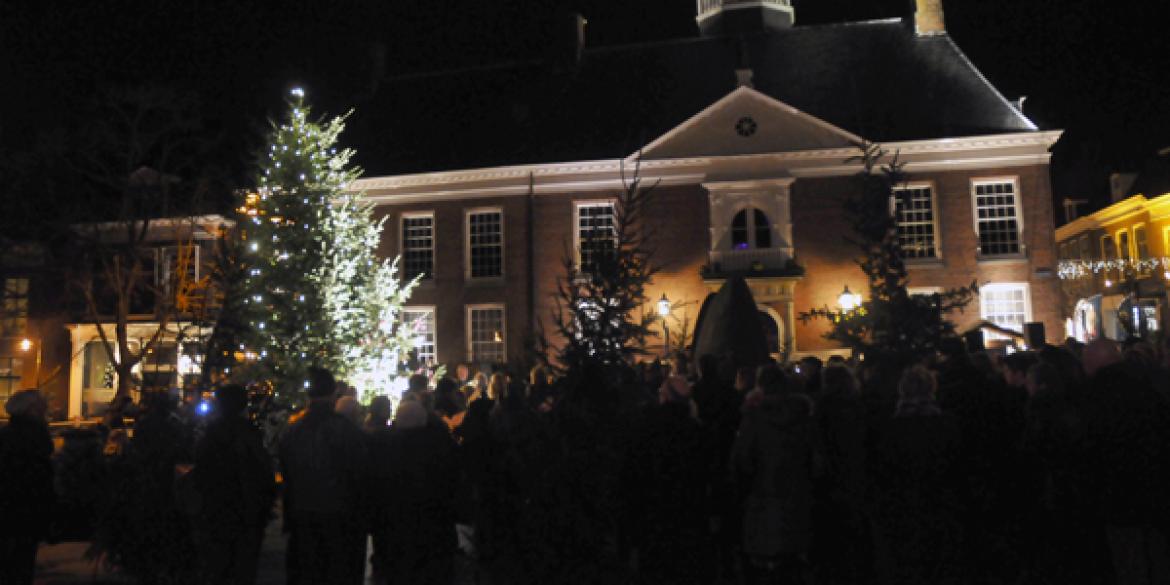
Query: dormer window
point(747, 235)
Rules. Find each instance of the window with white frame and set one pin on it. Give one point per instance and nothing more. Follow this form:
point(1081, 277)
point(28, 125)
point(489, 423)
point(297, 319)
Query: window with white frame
point(485, 243)
point(13, 306)
point(997, 218)
point(11, 369)
point(418, 245)
point(750, 234)
point(485, 334)
point(1006, 305)
point(595, 232)
point(421, 322)
point(915, 216)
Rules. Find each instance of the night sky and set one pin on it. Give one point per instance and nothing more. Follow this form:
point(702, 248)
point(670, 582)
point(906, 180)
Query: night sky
point(1090, 67)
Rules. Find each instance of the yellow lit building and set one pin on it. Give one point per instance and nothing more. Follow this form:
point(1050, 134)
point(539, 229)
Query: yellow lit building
point(1115, 265)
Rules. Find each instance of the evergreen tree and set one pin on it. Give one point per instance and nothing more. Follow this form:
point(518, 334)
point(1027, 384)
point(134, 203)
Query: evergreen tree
point(601, 300)
point(890, 323)
point(312, 291)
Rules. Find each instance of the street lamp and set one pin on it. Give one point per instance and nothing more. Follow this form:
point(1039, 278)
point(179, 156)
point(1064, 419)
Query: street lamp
point(25, 346)
point(848, 301)
point(664, 312)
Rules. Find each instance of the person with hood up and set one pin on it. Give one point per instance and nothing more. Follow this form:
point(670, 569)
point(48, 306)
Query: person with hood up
point(775, 459)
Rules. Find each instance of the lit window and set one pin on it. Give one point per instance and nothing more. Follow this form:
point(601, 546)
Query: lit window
point(1141, 246)
point(914, 213)
point(1108, 253)
point(997, 218)
point(485, 334)
point(13, 306)
point(1006, 305)
point(596, 234)
point(757, 235)
point(421, 321)
point(418, 245)
point(11, 369)
point(485, 244)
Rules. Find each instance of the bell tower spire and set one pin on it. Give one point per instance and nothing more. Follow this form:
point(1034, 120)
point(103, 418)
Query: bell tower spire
point(732, 17)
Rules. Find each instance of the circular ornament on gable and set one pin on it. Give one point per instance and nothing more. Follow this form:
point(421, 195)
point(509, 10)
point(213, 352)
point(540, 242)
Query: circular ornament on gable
point(746, 126)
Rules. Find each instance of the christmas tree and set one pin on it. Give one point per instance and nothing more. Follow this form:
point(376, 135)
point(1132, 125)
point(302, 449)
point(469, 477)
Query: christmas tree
point(601, 299)
point(890, 324)
point(312, 291)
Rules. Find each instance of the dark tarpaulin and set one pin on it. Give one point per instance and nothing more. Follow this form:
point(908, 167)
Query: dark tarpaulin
point(729, 322)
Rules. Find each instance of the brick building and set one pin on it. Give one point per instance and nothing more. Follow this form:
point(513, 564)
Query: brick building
point(746, 130)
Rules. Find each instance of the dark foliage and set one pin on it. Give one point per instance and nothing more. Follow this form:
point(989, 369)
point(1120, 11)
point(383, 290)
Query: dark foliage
point(891, 322)
point(600, 311)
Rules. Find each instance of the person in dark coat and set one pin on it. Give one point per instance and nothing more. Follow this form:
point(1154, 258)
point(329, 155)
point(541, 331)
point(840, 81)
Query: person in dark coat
point(916, 489)
point(377, 429)
point(838, 513)
point(420, 491)
point(718, 407)
point(1059, 530)
point(26, 486)
point(236, 487)
point(1128, 451)
point(775, 460)
point(667, 472)
point(324, 462)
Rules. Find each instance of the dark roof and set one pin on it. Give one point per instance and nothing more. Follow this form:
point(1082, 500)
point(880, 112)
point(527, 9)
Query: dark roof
point(877, 79)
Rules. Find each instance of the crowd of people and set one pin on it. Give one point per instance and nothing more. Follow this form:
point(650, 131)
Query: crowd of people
point(1050, 466)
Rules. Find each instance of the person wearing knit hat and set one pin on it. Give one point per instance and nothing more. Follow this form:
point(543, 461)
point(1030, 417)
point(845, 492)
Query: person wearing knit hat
point(26, 485)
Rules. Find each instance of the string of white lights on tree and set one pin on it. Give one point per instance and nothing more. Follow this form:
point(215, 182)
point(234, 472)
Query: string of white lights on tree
point(315, 294)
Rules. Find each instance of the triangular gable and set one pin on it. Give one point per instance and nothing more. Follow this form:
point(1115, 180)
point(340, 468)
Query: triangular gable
point(747, 122)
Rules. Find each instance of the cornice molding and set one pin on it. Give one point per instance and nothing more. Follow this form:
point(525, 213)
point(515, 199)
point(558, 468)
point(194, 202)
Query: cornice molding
point(1002, 150)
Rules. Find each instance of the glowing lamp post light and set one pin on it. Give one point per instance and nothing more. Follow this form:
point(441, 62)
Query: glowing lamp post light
point(26, 346)
point(664, 312)
point(848, 301)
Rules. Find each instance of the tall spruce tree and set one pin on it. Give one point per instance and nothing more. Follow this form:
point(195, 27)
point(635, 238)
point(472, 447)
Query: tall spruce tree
point(601, 314)
point(890, 323)
point(313, 293)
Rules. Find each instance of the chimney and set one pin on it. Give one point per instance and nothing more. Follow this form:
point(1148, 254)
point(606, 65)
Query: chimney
point(928, 18)
point(743, 77)
point(1119, 184)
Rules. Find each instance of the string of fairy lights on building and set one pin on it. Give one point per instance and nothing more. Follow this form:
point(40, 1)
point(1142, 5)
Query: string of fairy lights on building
point(1078, 269)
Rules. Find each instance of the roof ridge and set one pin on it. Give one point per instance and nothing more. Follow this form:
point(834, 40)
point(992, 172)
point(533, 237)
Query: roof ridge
point(995, 90)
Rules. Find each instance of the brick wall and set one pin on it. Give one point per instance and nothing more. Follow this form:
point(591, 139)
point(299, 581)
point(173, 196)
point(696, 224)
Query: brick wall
point(679, 218)
point(819, 227)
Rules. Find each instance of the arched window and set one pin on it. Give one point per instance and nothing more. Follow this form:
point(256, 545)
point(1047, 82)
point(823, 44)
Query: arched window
point(757, 235)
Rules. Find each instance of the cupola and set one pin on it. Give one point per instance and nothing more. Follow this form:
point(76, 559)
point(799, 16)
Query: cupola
point(732, 17)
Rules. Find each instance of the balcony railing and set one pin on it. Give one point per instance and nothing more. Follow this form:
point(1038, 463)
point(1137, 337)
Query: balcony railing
point(764, 262)
point(706, 6)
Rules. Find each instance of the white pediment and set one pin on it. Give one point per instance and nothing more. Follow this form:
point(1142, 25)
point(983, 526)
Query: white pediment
point(748, 122)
